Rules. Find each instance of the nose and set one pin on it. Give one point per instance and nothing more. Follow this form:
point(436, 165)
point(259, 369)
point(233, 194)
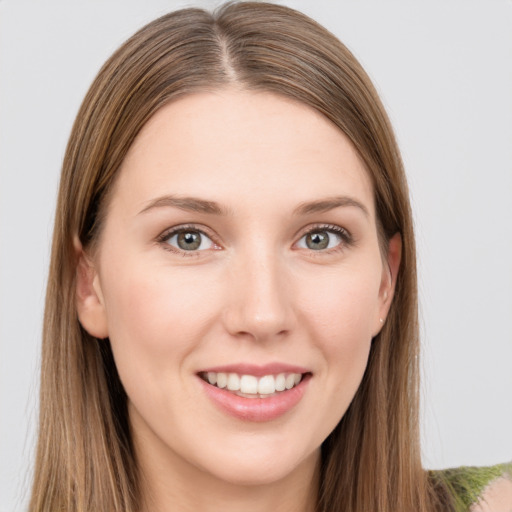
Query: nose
point(260, 304)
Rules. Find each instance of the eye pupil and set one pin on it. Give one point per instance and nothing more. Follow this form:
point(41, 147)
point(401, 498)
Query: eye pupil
point(189, 240)
point(317, 240)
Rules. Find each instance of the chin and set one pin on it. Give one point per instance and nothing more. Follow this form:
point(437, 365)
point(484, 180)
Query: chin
point(244, 468)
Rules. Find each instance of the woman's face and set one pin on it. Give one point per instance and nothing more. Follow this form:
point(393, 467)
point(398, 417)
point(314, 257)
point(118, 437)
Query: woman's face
point(240, 246)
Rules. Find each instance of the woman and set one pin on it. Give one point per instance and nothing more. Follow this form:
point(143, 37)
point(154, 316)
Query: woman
point(231, 316)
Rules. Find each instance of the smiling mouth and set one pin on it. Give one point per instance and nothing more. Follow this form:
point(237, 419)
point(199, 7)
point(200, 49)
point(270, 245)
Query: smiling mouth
point(250, 386)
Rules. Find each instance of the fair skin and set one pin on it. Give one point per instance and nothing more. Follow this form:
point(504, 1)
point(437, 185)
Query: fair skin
point(497, 497)
point(277, 269)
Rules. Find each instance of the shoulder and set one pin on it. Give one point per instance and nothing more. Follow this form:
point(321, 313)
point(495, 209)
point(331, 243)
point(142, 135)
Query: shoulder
point(497, 497)
point(477, 489)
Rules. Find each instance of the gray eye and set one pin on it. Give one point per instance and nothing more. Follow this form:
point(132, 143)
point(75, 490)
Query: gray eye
point(190, 240)
point(320, 240)
point(317, 241)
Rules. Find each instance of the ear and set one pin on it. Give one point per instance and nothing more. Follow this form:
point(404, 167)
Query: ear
point(89, 297)
point(388, 282)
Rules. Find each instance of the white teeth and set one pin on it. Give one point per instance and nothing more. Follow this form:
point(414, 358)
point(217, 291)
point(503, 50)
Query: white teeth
point(290, 381)
point(222, 380)
point(233, 382)
point(248, 384)
point(281, 382)
point(267, 385)
point(252, 385)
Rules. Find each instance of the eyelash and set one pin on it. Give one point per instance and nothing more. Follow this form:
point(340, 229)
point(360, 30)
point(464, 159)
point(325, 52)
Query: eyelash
point(346, 237)
point(169, 233)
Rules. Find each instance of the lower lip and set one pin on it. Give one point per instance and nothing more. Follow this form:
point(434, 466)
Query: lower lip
point(256, 409)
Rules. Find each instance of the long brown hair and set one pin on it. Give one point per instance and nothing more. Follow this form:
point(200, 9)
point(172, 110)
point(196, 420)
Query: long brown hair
point(85, 459)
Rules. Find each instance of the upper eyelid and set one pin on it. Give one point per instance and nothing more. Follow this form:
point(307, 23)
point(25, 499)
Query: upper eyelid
point(167, 233)
point(322, 227)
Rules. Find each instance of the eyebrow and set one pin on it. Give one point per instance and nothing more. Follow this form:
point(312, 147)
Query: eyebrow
point(330, 203)
point(194, 204)
point(189, 204)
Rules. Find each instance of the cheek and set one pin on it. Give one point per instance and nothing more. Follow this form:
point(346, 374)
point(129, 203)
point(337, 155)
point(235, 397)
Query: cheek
point(156, 318)
point(342, 304)
point(143, 299)
point(341, 315)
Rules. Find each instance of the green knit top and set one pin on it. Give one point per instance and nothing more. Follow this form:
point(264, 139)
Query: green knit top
point(466, 484)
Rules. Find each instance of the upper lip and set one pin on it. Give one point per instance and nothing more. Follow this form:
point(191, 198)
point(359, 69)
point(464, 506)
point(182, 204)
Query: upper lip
point(256, 370)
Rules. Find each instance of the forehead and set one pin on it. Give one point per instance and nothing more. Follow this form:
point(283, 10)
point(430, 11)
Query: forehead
point(231, 146)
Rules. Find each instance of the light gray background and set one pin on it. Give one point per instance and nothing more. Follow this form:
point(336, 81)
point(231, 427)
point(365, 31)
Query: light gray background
point(444, 70)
